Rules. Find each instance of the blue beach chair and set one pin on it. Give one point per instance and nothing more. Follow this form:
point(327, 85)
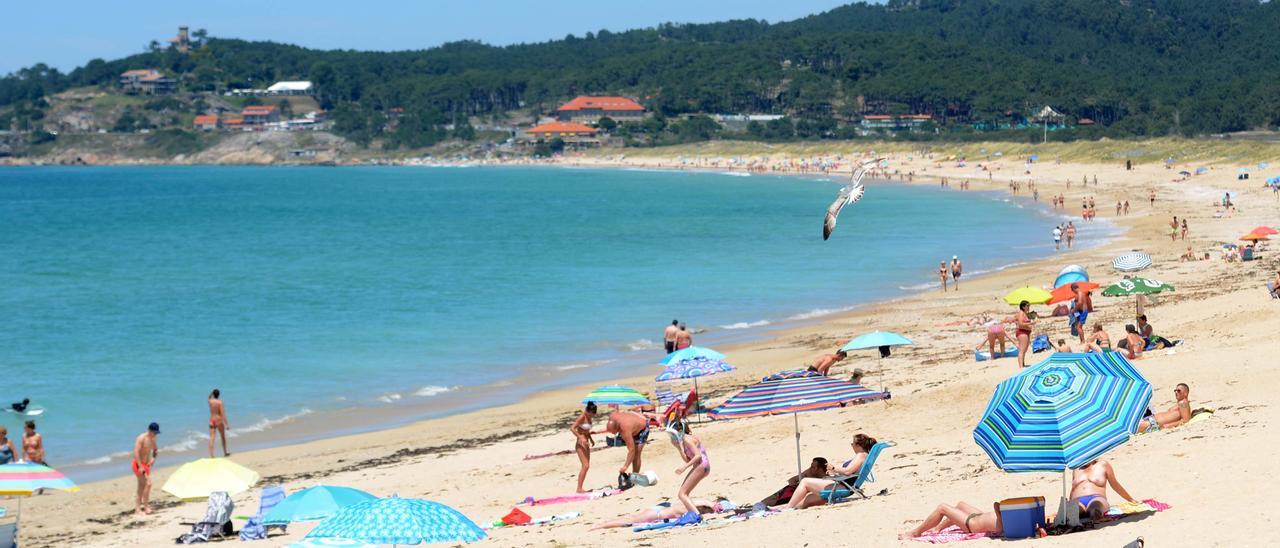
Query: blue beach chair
point(843, 489)
point(254, 530)
point(1020, 517)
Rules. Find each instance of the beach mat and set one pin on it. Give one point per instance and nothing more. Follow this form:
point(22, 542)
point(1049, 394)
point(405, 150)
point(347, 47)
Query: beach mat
point(575, 497)
point(951, 534)
point(506, 522)
point(983, 355)
point(1124, 509)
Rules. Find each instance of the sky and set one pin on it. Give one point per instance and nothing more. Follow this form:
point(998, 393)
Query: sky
point(68, 33)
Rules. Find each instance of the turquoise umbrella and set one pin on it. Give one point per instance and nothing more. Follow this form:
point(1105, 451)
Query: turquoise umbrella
point(314, 504)
point(692, 353)
point(877, 339)
point(616, 394)
point(394, 520)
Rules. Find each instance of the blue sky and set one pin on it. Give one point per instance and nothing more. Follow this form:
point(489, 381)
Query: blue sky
point(68, 33)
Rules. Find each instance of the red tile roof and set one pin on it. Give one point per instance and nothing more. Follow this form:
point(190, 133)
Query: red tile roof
point(258, 110)
point(562, 127)
point(582, 102)
point(205, 119)
point(232, 121)
point(140, 72)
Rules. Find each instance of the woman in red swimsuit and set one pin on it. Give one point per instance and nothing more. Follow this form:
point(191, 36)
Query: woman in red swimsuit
point(1025, 324)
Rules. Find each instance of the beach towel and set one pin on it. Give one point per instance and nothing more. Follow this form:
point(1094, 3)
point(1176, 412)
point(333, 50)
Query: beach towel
point(576, 497)
point(517, 521)
point(951, 534)
point(1200, 415)
point(1126, 508)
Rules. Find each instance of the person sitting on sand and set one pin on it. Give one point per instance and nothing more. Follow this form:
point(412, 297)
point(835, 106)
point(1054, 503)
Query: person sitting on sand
point(633, 428)
point(1089, 488)
point(817, 469)
point(1101, 342)
point(963, 515)
point(1176, 415)
point(664, 512)
point(1275, 284)
point(1148, 334)
point(696, 461)
point(1134, 344)
point(583, 442)
point(809, 491)
point(1062, 346)
point(995, 334)
point(823, 364)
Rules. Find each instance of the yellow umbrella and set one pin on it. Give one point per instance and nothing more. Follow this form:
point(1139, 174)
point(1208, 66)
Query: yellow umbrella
point(196, 480)
point(1033, 295)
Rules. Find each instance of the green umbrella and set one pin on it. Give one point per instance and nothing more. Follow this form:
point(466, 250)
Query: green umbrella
point(1137, 287)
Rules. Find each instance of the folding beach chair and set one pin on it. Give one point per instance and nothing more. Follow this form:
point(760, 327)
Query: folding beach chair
point(254, 530)
point(1020, 517)
point(665, 396)
point(9, 535)
point(847, 486)
point(216, 521)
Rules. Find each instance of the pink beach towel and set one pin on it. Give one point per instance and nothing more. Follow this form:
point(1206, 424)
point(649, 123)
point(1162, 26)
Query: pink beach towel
point(951, 534)
point(576, 497)
point(1128, 508)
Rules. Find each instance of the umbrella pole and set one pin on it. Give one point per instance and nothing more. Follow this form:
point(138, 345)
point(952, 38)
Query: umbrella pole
point(799, 471)
point(697, 414)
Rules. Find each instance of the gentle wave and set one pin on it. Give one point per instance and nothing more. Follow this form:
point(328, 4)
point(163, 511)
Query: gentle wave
point(745, 325)
point(819, 312)
point(735, 173)
point(432, 390)
point(389, 398)
point(193, 438)
point(642, 344)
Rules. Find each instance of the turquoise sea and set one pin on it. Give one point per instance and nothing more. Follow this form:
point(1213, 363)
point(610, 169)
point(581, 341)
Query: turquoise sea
point(354, 297)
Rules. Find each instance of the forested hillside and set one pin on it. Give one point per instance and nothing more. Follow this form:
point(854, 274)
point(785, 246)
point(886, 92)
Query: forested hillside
point(1136, 67)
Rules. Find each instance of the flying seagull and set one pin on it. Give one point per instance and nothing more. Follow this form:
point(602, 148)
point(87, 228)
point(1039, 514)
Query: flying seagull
point(851, 193)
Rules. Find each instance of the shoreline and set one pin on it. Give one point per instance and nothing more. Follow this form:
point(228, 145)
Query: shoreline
point(406, 407)
point(450, 446)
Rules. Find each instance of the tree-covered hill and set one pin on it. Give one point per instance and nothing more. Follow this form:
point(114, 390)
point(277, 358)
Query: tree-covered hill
point(1137, 67)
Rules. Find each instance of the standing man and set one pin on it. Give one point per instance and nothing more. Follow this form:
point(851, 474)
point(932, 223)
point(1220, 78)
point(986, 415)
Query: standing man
point(684, 339)
point(1057, 238)
point(144, 457)
point(633, 428)
point(33, 444)
point(217, 421)
point(956, 269)
point(1080, 314)
point(669, 336)
point(1071, 233)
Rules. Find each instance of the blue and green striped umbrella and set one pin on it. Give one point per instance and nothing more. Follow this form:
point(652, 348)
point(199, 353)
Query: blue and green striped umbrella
point(1063, 412)
point(394, 520)
point(616, 394)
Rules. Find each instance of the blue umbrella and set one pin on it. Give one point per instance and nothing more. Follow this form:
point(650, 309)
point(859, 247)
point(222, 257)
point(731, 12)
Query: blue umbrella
point(394, 520)
point(314, 504)
point(691, 353)
point(691, 363)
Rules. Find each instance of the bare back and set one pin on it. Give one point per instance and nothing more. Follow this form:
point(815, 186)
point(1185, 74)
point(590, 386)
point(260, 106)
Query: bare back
point(144, 449)
point(216, 411)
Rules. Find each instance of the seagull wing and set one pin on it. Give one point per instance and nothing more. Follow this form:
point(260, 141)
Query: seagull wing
point(850, 194)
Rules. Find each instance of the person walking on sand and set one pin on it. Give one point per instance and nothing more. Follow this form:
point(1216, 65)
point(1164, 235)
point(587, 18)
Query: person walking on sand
point(1184, 228)
point(32, 444)
point(583, 441)
point(956, 270)
point(1126, 207)
point(144, 457)
point(669, 336)
point(1025, 325)
point(1057, 238)
point(942, 275)
point(684, 339)
point(1151, 196)
point(1080, 313)
point(1173, 229)
point(633, 428)
point(217, 421)
point(696, 462)
point(1071, 233)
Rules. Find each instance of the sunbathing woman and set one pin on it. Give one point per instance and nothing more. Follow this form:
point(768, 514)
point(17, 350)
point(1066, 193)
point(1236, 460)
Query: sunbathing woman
point(665, 511)
point(1101, 341)
point(1089, 488)
point(963, 515)
point(695, 460)
point(581, 430)
point(809, 491)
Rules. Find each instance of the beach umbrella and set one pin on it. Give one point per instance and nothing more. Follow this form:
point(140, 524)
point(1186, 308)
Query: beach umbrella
point(792, 392)
point(1265, 231)
point(691, 363)
point(616, 394)
point(394, 520)
point(1033, 295)
point(1063, 413)
point(1253, 237)
point(692, 353)
point(1201, 170)
point(314, 504)
point(1137, 287)
point(1131, 262)
point(196, 479)
point(1184, 173)
point(1064, 293)
point(331, 542)
point(881, 340)
point(25, 479)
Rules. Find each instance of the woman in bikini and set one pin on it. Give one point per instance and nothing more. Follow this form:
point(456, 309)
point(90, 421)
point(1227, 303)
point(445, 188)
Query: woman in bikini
point(217, 422)
point(942, 274)
point(581, 430)
point(1101, 341)
point(664, 512)
point(995, 334)
point(1025, 324)
point(696, 462)
point(809, 491)
point(1089, 488)
point(963, 515)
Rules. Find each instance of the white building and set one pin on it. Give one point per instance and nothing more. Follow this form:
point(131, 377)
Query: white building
point(301, 87)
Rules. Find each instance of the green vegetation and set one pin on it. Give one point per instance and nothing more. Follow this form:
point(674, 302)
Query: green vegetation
point(1138, 68)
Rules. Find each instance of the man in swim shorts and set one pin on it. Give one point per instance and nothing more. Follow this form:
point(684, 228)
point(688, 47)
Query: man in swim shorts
point(669, 336)
point(633, 428)
point(1057, 238)
point(1176, 415)
point(823, 363)
point(144, 456)
point(1080, 314)
point(956, 269)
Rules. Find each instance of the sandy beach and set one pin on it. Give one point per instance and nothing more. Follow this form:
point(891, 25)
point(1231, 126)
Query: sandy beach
point(1205, 471)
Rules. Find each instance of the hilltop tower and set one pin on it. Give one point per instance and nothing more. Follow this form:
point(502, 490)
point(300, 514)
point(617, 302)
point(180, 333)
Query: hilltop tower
point(181, 42)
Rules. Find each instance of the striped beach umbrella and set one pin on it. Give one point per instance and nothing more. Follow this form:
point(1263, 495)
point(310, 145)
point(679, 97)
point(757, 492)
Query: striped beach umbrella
point(394, 520)
point(1063, 413)
point(1131, 262)
point(792, 392)
point(616, 394)
point(23, 479)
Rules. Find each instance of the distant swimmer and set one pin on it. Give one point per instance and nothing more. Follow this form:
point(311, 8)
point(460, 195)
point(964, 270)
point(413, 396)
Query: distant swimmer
point(848, 195)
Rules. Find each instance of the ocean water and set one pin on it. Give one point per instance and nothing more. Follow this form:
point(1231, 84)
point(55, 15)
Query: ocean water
point(127, 293)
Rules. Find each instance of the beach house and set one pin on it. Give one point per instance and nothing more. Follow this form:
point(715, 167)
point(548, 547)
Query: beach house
point(260, 115)
point(146, 81)
point(585, 109)
point(207, 122)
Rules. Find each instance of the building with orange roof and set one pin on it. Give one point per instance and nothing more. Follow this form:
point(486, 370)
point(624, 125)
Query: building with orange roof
point(585, 108)
point(257, 115)
point(552, 130)
point(233, 123)
point(207, 122)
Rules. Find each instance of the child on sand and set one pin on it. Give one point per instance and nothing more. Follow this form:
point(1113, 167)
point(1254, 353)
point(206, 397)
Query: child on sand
point(696, 462)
